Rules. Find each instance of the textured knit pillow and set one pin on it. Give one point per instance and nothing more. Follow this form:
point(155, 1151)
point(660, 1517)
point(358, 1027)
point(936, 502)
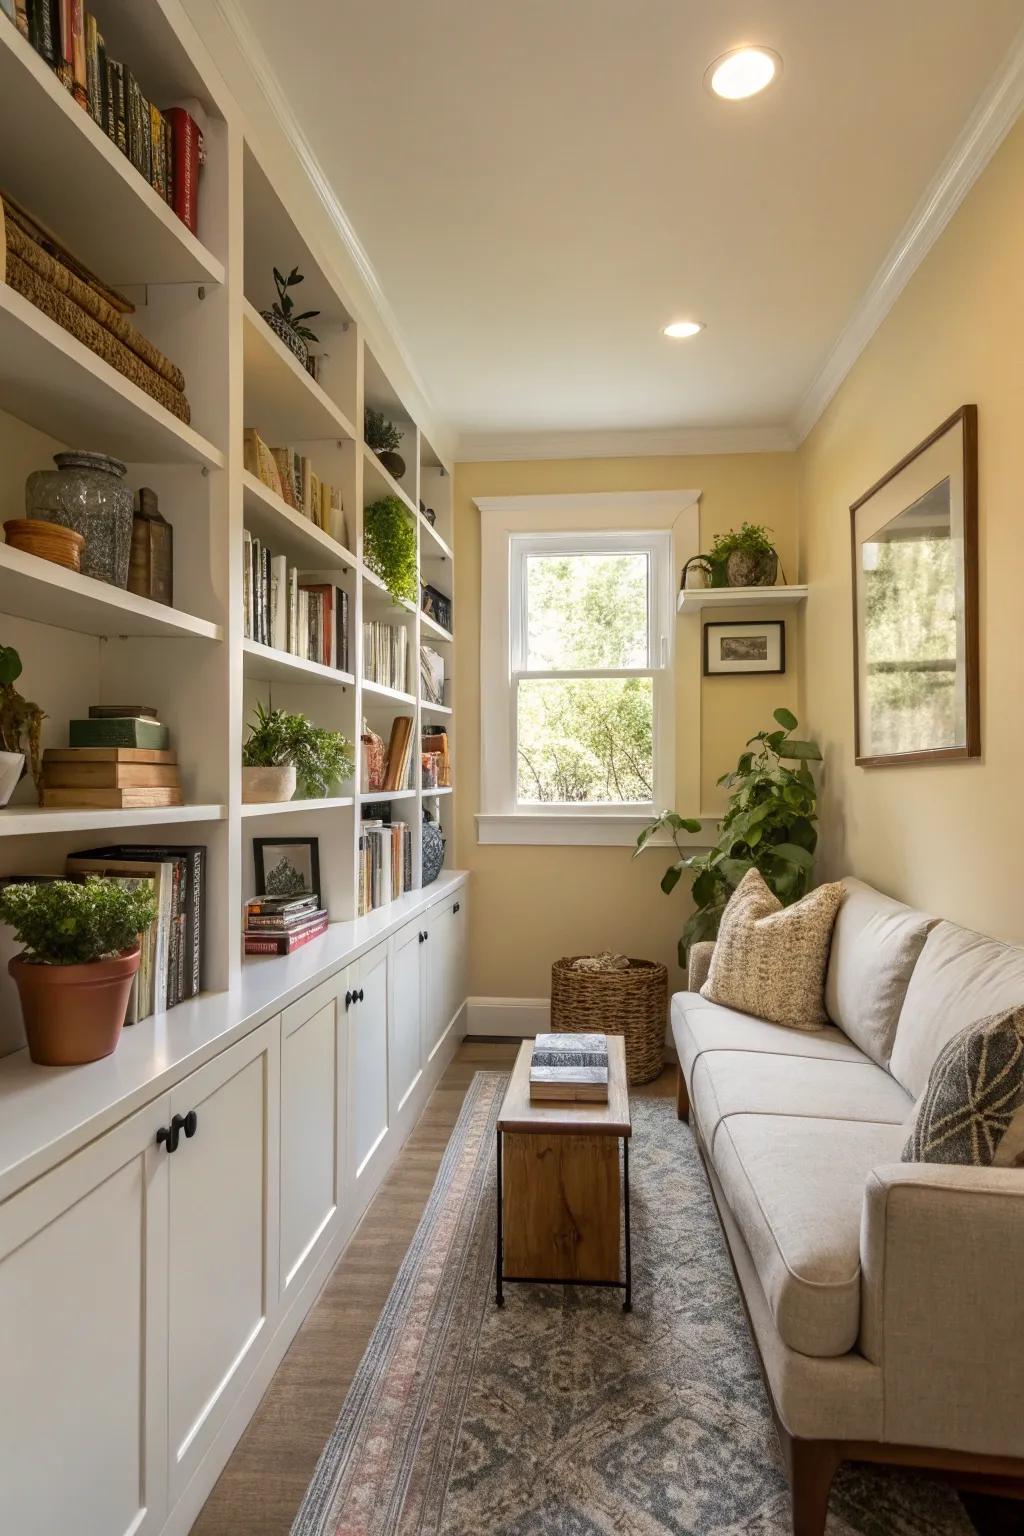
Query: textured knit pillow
point(769, 959)
point(972, 1110)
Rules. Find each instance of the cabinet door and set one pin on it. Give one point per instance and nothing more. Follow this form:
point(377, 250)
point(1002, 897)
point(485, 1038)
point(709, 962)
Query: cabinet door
point(441, 925)
point(458, 954)
point(223, 1240)
point(311, 1162)
point(83, 1307)
point(405, 1022)
point(368, 1056)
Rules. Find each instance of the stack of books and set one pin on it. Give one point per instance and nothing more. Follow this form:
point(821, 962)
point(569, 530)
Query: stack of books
point(117, 759)
point(171, 963)
point(292, 477)
point(396, 774)
point(435, 745)
point(570, 1067)
point(284, 609)
point(277, 925)
point(385, 862)
point(431, 675)
point(386, 655)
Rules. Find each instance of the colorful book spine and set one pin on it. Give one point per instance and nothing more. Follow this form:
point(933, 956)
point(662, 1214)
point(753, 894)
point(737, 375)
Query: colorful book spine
point(79, 67)
point(187, 160)
point(93, 87)
point(118, 732)
point(283, 943)
point(157, 166)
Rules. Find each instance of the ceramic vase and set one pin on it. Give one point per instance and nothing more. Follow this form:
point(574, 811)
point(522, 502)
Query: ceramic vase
point(12, 766)
point(747, 570)
point(86, 492)
point(283, 330)
point(263, 786)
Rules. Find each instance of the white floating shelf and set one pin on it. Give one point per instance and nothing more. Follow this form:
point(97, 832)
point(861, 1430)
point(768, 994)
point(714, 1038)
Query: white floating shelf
point(287, 532)
point(694, 599)
point(77, 183)
point(268, 665)
point(434, 709)
point(380, 595)
point(440, 789)
point(432, 546)
point(53, 382)
point(279, 807)
point(33, 588)
point(379, 691)
point(430, 626)
point(371, 796)
point(31, 820)
point(377, 482)
point(282, 400)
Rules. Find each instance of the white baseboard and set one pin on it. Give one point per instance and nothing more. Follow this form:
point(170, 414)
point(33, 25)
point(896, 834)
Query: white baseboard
point(515, 1017)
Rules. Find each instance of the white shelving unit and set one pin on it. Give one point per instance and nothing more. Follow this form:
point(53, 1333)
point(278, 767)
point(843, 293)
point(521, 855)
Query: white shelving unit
point(697, 599)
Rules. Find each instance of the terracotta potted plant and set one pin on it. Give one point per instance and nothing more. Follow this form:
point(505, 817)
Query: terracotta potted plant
point(286, 750)
point(20, 723)
point(81, 952)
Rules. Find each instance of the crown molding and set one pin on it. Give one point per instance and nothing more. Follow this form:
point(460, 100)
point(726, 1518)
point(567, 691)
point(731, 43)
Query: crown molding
point(995, 114)
point(672, 442)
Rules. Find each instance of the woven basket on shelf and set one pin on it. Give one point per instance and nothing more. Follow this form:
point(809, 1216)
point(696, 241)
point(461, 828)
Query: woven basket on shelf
point(630, 1002)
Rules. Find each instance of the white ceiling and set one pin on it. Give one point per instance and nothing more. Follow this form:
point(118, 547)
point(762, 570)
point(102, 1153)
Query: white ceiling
point(541, 185)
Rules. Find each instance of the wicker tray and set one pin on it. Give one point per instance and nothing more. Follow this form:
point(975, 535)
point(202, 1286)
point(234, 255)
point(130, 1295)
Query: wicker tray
point(632, 1003)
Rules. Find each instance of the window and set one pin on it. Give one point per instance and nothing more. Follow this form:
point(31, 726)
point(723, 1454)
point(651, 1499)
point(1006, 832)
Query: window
point(577, 689)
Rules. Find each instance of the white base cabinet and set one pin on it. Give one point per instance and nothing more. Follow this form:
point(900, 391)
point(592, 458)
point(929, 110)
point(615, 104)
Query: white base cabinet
point(147, 1294)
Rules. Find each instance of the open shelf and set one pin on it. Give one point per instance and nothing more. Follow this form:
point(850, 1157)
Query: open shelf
point(282, 401)
point(369, 797)
point(432, 546)
point(378, 690)
point(379, 596)
point(377, 482)
point(287, 532)
point(19, 821)
point(75, 181)
point(268, 665)
point(694, 599)
point(441, 789)
point(435, 709)
point(279, 807)
point(49, 379)
point(431, 627)
point(32, 588)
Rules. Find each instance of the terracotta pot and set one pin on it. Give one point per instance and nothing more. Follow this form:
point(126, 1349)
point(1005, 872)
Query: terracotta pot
point(63, 546)
point(263, 786)
point(12, 766)
point(74, 1013)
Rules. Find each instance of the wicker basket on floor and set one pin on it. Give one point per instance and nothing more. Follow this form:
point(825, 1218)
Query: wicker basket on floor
point(631, 1003)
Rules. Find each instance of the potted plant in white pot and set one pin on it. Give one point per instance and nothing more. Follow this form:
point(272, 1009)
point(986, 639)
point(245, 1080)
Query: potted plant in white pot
point(284, 751)
point(81, 952)
point(20, 723)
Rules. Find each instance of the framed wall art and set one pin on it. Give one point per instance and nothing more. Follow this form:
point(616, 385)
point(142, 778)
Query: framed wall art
point(915, 604)
point(735, 649)
point(287, 866)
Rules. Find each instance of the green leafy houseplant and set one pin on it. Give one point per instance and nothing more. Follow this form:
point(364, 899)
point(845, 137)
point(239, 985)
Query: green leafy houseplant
point(20, 720)
point(277, 739)
point(381, 435)
point(283, 320)
point(389, 545)
point(743, 557)
point(770, 825)
point(61, 922)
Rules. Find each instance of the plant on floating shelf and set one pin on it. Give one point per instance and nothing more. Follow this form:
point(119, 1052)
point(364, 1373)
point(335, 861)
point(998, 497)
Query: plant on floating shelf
point(283, 320)
point(20, 724)
point(743, 558)
point(381, 435)
point(389, 545)
point(769, 825)
point(319, 757)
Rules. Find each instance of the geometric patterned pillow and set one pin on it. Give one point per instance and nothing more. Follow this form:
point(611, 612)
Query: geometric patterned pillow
point(972, 1110)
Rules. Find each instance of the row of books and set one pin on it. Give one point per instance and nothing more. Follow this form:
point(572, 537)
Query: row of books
point(431, 675)
point(283, 609)
point(385, 863)
point(292, 477)
point(278, 925)
point(386, 654)
point(166, 148)
point(171, 964)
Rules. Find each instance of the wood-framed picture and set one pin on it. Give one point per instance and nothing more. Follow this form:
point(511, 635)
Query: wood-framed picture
point(732, 649)
point(914, 538)
point(287, 866)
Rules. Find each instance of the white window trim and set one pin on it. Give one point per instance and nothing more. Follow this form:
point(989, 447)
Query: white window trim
point(631, 515)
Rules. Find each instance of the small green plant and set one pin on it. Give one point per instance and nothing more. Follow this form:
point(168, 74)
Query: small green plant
point(64, 923)
point(277, 739)
point(20, 720)
point(285, 305)
point(751, 539)
point(389, 545)
point(381, 435)
point(769, 825)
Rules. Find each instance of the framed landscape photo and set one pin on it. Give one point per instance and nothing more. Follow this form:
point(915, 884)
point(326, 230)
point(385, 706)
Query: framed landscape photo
point(733, 648)
point(915, 604)
point(286, 866)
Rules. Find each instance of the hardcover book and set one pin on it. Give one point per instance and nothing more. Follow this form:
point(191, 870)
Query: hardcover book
point(570, 1067)
point(118, 731)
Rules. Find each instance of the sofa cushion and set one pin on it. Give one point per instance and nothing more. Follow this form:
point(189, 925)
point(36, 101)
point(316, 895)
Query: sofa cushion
point(961, 977)
point(795, 1187)
point(699, 1026)
point(734, 1083)
point(973, 1108)
point(875, 945)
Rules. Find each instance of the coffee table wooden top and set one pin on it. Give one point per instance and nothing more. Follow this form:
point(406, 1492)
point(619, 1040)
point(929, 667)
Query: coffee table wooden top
point(568, 1117)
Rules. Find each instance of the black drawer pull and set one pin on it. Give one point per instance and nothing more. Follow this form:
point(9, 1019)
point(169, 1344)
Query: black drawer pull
point(168, 1134)
point(422, 936)
point(190, 1124)
point(359, 994)
point(456, 906)
point(350, 998)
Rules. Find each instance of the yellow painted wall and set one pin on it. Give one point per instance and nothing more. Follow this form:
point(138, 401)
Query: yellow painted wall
point(949, 838)
point(530, 905)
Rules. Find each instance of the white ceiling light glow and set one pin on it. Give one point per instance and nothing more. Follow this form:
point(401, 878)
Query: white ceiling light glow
point(742, 72)
point(680, 328)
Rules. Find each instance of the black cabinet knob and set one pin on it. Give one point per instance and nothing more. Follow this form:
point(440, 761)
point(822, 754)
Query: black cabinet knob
point(360, 994)
point(422, 936)
point(168, 1135)
point(350, 998)
point(456, 906)
point(190, 1124)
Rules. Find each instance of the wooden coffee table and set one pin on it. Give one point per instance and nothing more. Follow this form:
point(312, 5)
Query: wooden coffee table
point(559, 1184)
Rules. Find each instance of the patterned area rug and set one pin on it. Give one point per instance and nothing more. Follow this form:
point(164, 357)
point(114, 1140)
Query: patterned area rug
point(559, 1415)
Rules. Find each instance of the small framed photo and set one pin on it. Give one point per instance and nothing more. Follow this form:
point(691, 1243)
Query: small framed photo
point(287, 866)
point(734, 648)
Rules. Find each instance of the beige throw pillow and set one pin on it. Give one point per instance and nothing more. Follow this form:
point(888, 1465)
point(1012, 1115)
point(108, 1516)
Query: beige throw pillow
point(770, 960)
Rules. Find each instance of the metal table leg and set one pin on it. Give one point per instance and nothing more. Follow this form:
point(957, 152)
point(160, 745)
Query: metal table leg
point(627, 1305)
point(498, 1265)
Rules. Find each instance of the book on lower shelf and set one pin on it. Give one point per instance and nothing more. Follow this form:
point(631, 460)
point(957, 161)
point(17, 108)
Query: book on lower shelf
point(570, 1068)
point(114, 762)
point(299, 615)
point(385, 861)
point(386, 655)
point(277, 925)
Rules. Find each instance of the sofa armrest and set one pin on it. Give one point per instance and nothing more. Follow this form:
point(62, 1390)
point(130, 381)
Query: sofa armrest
point(942, 1303)
point(698, 963)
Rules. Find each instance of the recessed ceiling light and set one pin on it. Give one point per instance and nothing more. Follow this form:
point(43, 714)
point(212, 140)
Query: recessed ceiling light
point(742, 72)
point(683, 328)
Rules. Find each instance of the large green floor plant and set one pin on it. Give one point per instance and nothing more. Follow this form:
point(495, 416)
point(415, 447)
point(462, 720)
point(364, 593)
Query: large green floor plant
point(770, 825)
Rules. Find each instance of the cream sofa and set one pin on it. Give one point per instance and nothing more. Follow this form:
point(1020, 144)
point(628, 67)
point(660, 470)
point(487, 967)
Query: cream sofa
point(886, 1298)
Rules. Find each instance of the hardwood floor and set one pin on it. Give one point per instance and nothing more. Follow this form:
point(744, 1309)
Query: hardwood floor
point(262, 1485)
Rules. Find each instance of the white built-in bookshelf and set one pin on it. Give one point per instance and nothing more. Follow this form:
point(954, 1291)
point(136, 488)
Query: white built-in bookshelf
point(83, 642)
